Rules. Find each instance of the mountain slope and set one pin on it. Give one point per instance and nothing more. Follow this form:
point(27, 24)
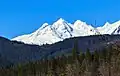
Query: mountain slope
point(61, 29)
point(16, 52)
point(83, 29)
point(110, 28)
point(58, 31)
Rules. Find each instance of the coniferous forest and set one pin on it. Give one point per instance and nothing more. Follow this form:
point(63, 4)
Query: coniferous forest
point(104, 62)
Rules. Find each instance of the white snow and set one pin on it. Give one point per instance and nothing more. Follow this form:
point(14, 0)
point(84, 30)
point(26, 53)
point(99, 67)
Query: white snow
point(61, 29)
point(110, 28)
point(83, 29)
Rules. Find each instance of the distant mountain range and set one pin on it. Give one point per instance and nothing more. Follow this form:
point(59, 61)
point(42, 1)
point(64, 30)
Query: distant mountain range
point(61, 29)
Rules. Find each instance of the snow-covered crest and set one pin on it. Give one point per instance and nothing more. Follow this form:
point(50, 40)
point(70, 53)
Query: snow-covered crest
point(61, 29)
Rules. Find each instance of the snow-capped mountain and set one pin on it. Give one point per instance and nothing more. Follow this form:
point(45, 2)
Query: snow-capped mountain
point(110, 28)
point(83, 29)
point(61, 29)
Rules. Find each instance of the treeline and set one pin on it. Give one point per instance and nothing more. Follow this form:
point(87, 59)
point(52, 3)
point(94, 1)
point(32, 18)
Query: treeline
point(98, 63)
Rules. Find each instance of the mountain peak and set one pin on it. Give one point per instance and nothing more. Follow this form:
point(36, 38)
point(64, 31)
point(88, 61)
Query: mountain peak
point(60, 21)
point(44, 26)
point(107, 23)
point(78, 22)
point(61, 29)
point(60, 24)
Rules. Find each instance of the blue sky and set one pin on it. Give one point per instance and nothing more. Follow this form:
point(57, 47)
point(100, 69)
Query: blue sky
point(19, 17)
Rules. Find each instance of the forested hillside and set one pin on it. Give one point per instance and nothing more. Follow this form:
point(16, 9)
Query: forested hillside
point(13, 52)
point(98, 63)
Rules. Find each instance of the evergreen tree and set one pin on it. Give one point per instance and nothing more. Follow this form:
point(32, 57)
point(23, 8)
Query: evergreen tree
point(95, 64)
point(20, 73)
point(102, 55)
point(81, 57)
point(75, 51)
point(96, 56)
point(88, 56)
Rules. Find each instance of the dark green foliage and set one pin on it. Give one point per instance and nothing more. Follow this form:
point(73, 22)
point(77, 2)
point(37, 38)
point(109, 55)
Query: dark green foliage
point(96, 56)
point(81, 57)
point(75, 50)
point(98, 63)
point(88, 55)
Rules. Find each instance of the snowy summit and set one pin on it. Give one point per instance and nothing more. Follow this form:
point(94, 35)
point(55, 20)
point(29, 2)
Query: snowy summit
point(61, 29)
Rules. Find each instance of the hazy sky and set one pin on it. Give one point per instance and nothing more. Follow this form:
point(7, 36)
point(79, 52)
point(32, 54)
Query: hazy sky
point(19, 17)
